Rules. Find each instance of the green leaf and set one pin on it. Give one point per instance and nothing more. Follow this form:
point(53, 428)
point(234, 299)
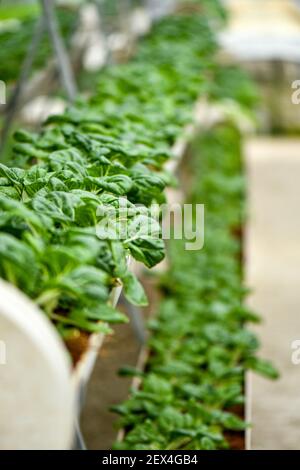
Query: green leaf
point(13, 211)
point(83, 324)
point(134, 291)
point(127, 371)
point(120, 259)
point(58, 205)
point(119, 184)
point(207, 444)
point(100, 312)
point(14, 175)
point(18, 263)
point(263, 367)
point(85, 282)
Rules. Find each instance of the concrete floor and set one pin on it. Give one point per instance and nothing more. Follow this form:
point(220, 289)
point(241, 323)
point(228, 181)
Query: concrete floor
point(273, 271)
point(106, 388)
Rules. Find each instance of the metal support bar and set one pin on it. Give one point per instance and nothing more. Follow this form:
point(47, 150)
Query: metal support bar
point(47, 21)
point(62, 57)
point(13, 104)
point(78, 439)
point(78, 443)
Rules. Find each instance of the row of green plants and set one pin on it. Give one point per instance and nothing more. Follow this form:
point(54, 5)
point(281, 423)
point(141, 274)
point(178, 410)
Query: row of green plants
point(102, 154)
point(192, 391)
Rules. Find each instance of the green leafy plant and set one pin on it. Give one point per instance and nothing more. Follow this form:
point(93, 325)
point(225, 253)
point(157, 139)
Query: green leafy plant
point(63, 182)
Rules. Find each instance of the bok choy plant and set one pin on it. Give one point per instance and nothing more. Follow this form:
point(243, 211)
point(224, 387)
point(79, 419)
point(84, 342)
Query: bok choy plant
point(100, 154)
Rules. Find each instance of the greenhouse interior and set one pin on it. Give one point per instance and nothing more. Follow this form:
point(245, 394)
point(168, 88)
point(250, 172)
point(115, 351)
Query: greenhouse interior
point(149, 250)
